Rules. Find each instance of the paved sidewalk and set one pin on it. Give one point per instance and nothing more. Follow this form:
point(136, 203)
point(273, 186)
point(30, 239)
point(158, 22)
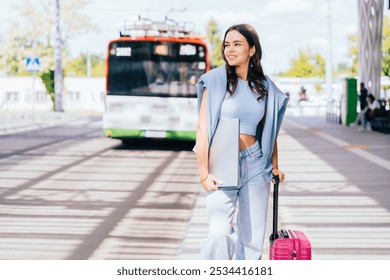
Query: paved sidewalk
point(337, 188)
point(15, 122)
point(337, 191)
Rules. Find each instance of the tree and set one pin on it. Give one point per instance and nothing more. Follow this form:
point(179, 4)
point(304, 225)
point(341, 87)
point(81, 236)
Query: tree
point(216, 42)
point(354, 54)
point(350, 67)
point(386, 47)
point(31, 33)
point(17, 46)
point(78, 66)
point(48, 81)
point(306, 64)
point(353, 51)
point(98, 66)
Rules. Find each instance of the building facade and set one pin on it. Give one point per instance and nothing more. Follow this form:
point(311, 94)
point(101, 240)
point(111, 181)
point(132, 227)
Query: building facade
point(80, 94)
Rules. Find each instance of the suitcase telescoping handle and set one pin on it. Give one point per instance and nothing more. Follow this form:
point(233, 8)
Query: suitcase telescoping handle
point(274, 234)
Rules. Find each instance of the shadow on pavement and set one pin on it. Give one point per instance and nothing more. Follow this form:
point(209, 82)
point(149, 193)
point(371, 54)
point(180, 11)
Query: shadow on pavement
point(156, 144)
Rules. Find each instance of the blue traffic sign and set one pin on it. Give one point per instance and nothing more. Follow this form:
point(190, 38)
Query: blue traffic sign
point(32, 64)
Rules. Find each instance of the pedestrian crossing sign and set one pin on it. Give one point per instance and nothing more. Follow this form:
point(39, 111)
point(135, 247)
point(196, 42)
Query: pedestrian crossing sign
point(32, 64)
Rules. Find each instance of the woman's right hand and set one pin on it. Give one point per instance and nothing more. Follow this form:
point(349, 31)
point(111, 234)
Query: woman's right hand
point(210, 183)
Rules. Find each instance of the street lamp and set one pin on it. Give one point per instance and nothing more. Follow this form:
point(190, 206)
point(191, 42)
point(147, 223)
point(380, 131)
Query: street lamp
point(58, 62)
point(329, 62)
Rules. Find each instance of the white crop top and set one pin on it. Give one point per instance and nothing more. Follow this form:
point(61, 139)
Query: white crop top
point(243, 104)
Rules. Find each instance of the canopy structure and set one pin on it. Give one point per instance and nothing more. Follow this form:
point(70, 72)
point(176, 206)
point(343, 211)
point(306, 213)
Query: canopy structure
point(370, 14)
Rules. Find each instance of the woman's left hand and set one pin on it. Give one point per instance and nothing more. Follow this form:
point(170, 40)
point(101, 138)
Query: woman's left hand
point(280, 174)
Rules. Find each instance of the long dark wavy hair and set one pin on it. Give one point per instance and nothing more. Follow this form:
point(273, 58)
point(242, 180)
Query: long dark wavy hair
point(256, 78)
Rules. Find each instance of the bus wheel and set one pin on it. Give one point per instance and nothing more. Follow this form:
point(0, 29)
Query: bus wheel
point(127, 141)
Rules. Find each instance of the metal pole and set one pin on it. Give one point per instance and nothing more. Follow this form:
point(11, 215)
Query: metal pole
point(33, 96)
point(329, 63)
point(58, 62)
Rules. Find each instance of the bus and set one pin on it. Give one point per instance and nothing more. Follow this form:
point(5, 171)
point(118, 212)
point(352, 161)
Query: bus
point(151, 81)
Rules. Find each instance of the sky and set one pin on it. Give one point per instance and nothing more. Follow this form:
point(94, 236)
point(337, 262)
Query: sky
point(284, 26)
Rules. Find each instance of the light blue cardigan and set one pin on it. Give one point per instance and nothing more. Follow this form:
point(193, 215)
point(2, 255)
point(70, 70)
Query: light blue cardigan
point(215, 81)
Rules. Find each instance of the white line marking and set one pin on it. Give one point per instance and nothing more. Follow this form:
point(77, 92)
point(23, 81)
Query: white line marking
point(341, 143)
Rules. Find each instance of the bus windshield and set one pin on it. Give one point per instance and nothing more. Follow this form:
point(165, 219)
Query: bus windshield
point(150, 68)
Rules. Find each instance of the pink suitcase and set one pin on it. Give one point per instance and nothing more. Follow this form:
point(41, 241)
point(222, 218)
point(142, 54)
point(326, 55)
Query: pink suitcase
point(287, 244)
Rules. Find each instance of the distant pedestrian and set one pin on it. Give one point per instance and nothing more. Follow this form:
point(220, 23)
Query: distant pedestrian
point(239, 89)
point(363, 96)
point(302, 95)
point(363, 104)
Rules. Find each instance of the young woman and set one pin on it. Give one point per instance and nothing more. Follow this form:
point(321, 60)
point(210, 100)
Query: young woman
point(239, 89)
